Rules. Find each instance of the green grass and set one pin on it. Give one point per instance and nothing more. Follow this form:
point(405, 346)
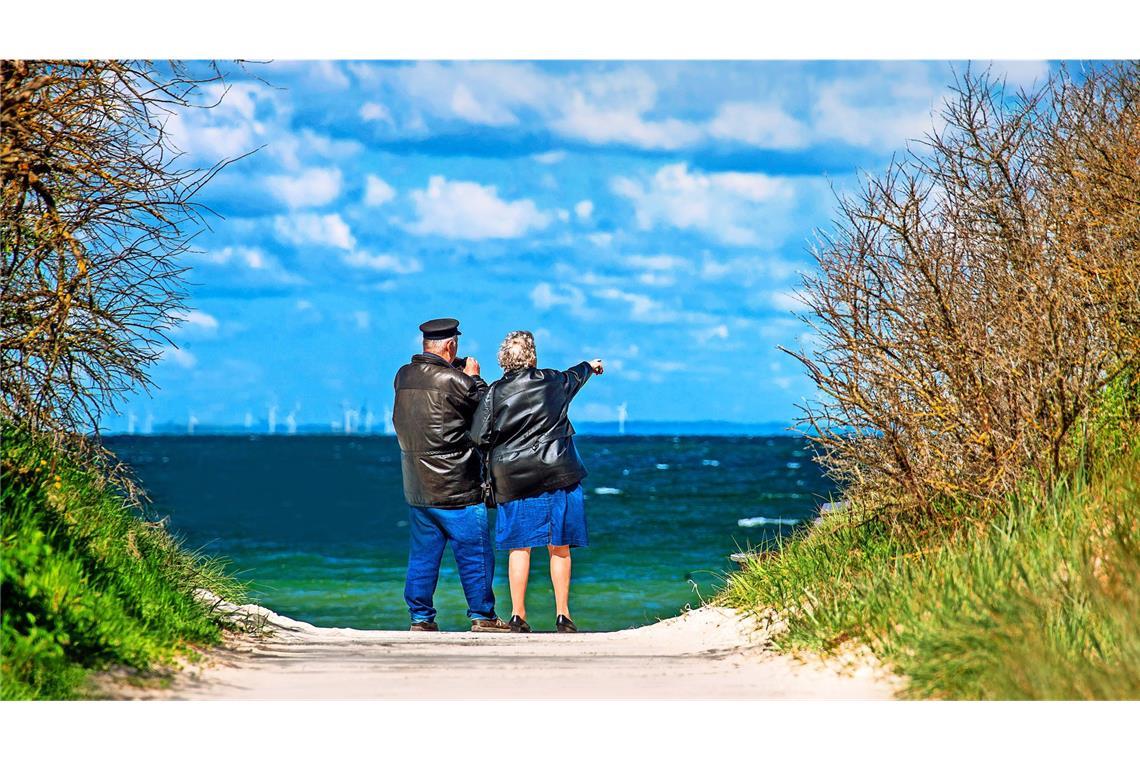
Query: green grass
point(86, 582)
point(1038, 599)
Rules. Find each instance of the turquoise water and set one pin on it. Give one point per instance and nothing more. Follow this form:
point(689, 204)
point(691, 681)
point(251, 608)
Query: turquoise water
point(318, 527)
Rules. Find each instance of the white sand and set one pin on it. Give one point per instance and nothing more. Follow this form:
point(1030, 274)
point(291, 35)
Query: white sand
point(706, 653)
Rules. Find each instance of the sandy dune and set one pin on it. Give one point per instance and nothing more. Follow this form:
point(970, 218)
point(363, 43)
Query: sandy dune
point(706, 653)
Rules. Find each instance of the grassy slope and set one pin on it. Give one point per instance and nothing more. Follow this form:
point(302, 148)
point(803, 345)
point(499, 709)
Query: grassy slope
point(1041, 600)
point(86, 583)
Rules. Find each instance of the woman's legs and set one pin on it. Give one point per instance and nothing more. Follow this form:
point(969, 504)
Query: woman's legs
point(560, 577)
point(518, 570)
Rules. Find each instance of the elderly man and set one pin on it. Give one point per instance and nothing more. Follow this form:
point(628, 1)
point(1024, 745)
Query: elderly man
point(436, 394)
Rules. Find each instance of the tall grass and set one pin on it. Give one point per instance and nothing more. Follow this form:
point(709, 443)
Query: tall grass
point(1037, 599)
point(86, 582)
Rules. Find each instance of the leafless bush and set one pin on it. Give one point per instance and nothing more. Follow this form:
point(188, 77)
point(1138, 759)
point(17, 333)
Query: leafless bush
point(971, 300)
point(96, 208)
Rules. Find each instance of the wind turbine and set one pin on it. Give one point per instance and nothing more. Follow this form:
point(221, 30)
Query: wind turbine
point(623, 415)
point(272, 418)
point(349, 419)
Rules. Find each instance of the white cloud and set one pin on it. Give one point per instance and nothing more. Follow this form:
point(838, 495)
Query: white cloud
point(362, 319)
point(746, 269)
point(470, 211)
point(598, 107)
point(264, 266)
point(241, 116)
point(377, 192)
point(786, 300)
point(481, 92)
point(865, 104)
point(545, 297)
point(467, 107)
point(882, 108)
point(585, 120)
point(196, 320)
point(611, 107)
point(329, 73)
point(314, 229)
point(761, 125)
point(290, 150)
point(382, 262)
point(657, 279)
point(642, 308)
point(1025, 74)
point(584, 209)
point(375, 112)
point(661, 262)
point(709, 333)
point(180, 356)
point(316, 74)
point(725, 205)
point(550, 156)
point(312, 187)
point(252, 258)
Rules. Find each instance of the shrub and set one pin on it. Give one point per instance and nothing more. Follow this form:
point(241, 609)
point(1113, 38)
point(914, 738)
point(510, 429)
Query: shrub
point(972, 300)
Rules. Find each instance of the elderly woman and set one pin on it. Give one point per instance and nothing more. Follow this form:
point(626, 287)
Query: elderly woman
point(534, 469)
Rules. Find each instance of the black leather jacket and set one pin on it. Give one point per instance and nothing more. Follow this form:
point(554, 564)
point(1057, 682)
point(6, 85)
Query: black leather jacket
point(432, 414)
point(528, 433)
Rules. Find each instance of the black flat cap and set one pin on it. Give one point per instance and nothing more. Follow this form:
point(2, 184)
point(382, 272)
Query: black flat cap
point(439, 329)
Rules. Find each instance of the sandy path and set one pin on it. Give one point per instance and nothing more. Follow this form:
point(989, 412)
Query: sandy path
point(706, 653)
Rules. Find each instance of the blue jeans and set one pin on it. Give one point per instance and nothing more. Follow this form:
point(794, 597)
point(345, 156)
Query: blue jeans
point(466, 527)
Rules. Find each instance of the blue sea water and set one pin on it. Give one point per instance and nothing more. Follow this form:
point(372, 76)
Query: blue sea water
point(317, 525)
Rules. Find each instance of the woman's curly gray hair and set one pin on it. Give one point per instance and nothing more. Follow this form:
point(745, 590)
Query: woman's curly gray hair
point(517, 351)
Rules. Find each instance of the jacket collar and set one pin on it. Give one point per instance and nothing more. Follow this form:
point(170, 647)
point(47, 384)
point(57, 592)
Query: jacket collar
point(520, 372)
point(429, 358)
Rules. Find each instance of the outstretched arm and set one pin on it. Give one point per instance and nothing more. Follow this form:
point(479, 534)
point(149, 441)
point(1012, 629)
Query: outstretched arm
point(577, 375)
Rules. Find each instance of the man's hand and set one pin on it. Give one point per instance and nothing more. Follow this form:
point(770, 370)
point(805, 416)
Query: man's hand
point(471, 369)
point(596, 365)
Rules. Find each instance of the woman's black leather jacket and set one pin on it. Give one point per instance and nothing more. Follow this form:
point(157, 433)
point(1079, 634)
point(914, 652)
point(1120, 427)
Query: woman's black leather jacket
point(522, 422)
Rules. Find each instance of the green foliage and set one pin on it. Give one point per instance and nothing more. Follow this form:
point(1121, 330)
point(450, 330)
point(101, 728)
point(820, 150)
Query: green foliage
point(86, 582)
point(1039, 600)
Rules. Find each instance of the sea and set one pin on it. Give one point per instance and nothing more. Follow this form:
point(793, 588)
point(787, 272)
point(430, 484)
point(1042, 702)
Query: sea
point(317, 528)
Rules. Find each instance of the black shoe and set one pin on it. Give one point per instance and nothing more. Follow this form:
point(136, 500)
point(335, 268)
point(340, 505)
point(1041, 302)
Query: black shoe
point(424, 625)
point(565, 624)
point(518, 625)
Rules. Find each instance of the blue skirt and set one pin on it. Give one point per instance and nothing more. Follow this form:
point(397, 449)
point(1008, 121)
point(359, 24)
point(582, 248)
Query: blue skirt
point(554, 518)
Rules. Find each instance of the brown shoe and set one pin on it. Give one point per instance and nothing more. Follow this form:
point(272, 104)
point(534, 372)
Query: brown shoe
point(424, 625)
point(479, 625)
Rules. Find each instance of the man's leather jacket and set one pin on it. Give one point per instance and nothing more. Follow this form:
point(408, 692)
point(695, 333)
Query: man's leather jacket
point(432, 414)
point(527, 432)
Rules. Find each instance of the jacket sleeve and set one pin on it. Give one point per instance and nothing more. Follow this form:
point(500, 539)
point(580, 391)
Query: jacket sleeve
point(576, 377)
point(482, 430)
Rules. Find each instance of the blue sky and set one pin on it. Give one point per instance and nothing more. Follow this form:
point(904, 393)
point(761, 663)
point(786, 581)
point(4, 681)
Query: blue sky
point(656, 215)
